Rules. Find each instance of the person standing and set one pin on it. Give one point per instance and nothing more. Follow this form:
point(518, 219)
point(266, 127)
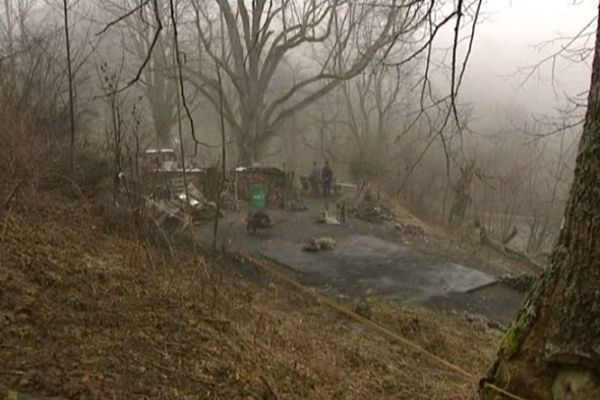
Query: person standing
point(327, 179)
point(313, 178)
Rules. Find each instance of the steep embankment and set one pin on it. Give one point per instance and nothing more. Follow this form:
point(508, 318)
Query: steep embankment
point(89, 315)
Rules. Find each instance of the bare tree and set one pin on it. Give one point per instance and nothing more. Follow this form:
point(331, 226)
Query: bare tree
point(370, 100)
point(115, 131)
point(33, 60)
point(140, 40)
point(37, 62)
point(461, 193)
point(71, 90)
point(332, 40)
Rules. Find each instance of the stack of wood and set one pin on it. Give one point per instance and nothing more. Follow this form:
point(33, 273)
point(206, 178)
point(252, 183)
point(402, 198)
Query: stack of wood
point(272, 179)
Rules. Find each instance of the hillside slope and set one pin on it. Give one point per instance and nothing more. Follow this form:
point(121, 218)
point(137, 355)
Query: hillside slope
point(90, 315)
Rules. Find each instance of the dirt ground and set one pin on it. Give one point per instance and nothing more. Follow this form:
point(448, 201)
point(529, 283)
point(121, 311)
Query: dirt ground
point(300, 226)
point(378, 260)
point(86, 314)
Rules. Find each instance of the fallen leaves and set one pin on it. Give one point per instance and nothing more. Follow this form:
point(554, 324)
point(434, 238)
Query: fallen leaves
point(90, 316)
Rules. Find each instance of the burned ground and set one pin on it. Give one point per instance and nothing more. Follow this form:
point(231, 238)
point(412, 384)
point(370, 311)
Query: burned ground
point(376, 259)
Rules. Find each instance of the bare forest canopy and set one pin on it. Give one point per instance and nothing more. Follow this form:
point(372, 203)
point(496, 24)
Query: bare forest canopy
point(383, 89)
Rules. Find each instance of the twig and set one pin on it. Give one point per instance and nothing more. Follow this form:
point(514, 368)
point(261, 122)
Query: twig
point(71, 89)
point(454, 56)
point(164, 235)
point(180, 78)
point(122, 17)
point(223, 156)
point(12, 194)
point(269, 388)
point(181, 98)
point(138, 75)
point(75, 186)
point(552, 57)
point(16, 373)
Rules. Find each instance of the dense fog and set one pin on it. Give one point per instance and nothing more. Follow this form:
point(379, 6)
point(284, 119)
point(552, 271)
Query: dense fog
point(468, 123)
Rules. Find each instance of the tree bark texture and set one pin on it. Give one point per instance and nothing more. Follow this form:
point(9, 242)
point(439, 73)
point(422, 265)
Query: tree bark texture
point(552, 349)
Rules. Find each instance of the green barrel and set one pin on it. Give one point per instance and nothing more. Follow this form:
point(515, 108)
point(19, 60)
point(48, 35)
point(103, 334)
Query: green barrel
point(258, 197)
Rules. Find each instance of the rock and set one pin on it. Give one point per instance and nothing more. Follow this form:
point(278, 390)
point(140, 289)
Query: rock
point(364, 309)
point(483, 324)
point(409, 229)
point(320, 244)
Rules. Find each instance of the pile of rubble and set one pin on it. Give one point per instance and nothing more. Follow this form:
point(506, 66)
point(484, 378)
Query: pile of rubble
point(173, 211)
point(372, 211)
point(408, 229)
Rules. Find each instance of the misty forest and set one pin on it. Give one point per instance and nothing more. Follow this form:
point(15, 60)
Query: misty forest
point(299, 199)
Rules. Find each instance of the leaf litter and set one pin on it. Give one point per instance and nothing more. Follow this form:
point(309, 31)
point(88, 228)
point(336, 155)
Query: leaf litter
point(89, 315)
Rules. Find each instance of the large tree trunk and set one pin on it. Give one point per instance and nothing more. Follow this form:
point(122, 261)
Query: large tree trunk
point(249, 150)
point(161, 115)
point(161, 92)
point(552, 349)
point(253, 136)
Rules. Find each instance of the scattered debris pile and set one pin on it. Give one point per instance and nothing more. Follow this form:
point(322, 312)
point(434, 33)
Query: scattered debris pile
point(172, 211)
point(372, 211)
point(202, 208)
point(408, 229)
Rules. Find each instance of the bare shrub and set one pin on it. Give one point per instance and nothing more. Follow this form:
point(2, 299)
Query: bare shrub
point(23, 157)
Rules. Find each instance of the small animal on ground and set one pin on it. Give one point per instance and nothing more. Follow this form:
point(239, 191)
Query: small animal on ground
point(320, 244)
point(257, 221)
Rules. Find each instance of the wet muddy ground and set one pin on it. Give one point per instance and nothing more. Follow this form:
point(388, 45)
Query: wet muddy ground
point(374, 260)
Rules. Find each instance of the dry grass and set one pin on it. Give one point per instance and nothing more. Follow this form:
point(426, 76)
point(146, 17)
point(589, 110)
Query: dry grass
point(85, 315)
